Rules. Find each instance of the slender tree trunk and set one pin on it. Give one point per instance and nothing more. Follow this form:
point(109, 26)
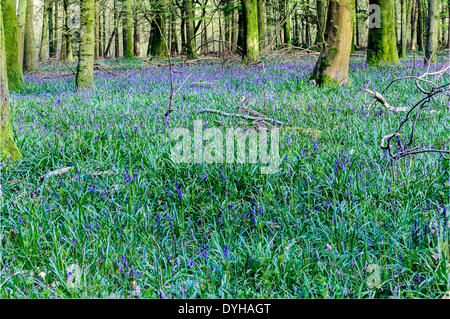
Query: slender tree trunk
point(21, 27)
point(251, 31)
point(235, 29)
point(307, 26)
point(51, 29)
point(8, 148)
point(116, 30)
point(137, 34)
point(159, 45)
point(85, 70)
point(321, 6)
point(432, 32)
point(190, 36)
point(420, 28)
point(43, 52)
point(68, 32)
point(261, 27)
point(96, 30)
point(382, 43)
point(174, 42)
point(332, 65)
point(58, 34)
point(286, 20)
point(413, 46)
point(128, 51)
point(29, 56)
point(11, 46)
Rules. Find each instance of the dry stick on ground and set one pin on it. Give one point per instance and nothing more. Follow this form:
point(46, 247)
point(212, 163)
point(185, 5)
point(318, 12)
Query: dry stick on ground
point(248, 117)
point(58, 172)
point(382, 100)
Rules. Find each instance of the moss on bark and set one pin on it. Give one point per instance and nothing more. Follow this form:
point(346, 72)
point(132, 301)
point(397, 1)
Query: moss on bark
point(85, 70)
point(13, 66)
point(190, 32)
point(251, 24)
point(128, 50)
point(331, 68)
point(159, 47)
point(382, 43)
point(29, 52)
point(8, 148)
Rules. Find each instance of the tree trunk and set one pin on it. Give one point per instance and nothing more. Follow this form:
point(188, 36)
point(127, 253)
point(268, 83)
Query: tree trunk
point(235, 29)
point(432, 32)
point(190, 36)
point(68, 33)
point(11, 46)
point(85, 70)
point(332, 65)
point(43, 52)
point(251, 31)
point(128, 48)
point(382, 43)
point(174, 42)
point(29, 54)
point(420, 29)
point(116, 30)
point(322, 7)
point(261, 29)
point(286, 20)
point(137, 34)
point(8, 148)
point(58, 37)
point(21, 28)
point(413, 43)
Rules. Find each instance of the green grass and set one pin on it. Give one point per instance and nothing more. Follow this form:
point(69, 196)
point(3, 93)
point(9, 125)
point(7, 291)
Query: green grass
point(310, 231)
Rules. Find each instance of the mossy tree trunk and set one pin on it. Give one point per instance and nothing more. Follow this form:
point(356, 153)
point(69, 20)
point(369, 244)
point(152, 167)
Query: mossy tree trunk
point(14, 68)
point(85, 70)
point(159, 47)
point(137, 33)
point(382, 43)
point(29, 53)
point(321, 6)
point(332, 65)
point(128, 49)
point(43, 52)
point(251, 31)
point(21, 15)
point(432, 32)
point(190, 32)
point(261, 22)
point(8, 148)
point(68, 33)
point(286, 20)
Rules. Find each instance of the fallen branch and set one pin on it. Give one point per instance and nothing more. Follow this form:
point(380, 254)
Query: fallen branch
point(58, 172)
point(382, 100)
point(248, 117)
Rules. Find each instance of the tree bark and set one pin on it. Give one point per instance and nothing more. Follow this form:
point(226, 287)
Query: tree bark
point(251, 31)
point(261, 29)
point(21, 28)
point(85, 70)
point(8, 148)
point(420, 28)
point(190, 35)
point(332, 65)
point(43, 52)
point(382, 43)
point(29, 54)
point(432, 32)
point(14, 69)
point(322, 7)
point(128, 49)
point(68, 33)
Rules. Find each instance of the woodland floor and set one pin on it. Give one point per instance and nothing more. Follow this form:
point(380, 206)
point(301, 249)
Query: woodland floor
point(331, 222)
